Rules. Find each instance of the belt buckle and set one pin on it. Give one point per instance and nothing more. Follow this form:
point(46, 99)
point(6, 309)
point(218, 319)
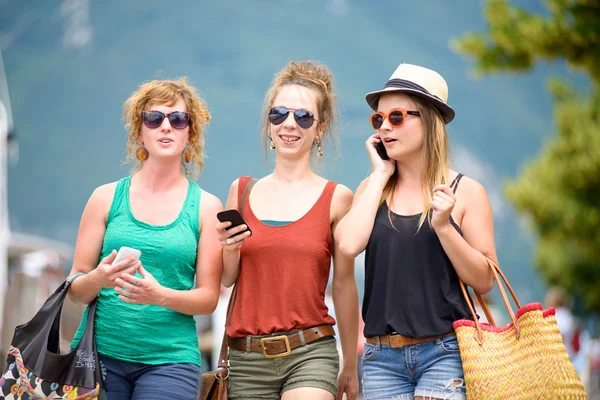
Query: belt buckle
point(264, 341)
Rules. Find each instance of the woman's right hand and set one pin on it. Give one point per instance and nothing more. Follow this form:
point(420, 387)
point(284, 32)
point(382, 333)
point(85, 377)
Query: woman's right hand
point(386, 167)
point(106, 273)
point(237, 238)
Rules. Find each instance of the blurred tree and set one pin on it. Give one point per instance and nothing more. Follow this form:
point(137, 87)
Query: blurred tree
point(560, 190)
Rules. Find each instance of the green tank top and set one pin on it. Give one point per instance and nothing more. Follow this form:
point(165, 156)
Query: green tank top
point(149, 334)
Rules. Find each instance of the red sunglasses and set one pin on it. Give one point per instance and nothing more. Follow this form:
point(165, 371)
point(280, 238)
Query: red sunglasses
point(395, 116)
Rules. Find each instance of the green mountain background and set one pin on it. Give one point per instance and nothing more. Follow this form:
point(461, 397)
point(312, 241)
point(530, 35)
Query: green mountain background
point(70, 65)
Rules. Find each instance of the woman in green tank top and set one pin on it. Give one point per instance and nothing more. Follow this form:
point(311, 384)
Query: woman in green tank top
point(145, 330)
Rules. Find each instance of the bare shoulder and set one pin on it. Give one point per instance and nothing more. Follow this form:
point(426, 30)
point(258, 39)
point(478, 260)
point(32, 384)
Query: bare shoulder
point(232, 197)
point(340, 202)
point(342, 194)
point(234, 186)
point(210, 203)
point(471, 191)
point(103, 195)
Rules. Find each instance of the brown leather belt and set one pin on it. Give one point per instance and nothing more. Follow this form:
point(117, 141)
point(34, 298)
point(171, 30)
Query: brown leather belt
point(397, 340)
point(274, 346)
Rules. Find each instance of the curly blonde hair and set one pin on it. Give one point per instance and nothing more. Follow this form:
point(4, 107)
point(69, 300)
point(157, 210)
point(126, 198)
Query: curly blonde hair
point(312, 75)
point(167, 92)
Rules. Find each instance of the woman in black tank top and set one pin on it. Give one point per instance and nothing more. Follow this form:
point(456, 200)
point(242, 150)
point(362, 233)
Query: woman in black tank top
point(422, 233)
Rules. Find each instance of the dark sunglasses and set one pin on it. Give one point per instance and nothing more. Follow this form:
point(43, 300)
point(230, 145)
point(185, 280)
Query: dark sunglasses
point(304, 118)
point(177, 119)
point(395, 116)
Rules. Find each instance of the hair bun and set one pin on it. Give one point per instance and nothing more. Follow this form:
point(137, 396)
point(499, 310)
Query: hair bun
point(309, 71)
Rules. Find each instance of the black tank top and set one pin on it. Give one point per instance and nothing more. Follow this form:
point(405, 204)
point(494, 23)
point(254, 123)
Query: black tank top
point(411, 287)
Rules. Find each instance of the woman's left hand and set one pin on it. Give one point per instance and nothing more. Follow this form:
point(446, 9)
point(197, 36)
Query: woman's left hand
point(443, 204)
point(139, 291)
point(348, 383)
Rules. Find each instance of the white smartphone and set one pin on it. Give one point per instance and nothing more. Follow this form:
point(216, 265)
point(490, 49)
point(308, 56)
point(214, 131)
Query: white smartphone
point(125, 252)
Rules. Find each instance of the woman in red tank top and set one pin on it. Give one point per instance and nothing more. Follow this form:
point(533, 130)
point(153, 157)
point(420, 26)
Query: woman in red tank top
point(280, 335)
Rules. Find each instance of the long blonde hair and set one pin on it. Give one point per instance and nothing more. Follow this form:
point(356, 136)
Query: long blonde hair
point(312, 75)
point(167, 92)
point(435, 159)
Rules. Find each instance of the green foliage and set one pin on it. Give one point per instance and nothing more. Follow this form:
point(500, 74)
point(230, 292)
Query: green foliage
point(517, 38)
point(560, 190)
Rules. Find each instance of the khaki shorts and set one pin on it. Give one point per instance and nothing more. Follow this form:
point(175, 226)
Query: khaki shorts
point(252, 376)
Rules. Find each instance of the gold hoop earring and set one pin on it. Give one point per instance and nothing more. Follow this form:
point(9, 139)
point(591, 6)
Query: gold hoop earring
point(142, 154)
point(187, 155)
point(319, 149)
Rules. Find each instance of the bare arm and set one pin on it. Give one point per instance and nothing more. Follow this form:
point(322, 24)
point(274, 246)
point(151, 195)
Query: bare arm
point(231, 252)
point(468, 252)
point(345, 299)
point(89, 246)
point(209, 267)
point(200, 300)
point(355, 228)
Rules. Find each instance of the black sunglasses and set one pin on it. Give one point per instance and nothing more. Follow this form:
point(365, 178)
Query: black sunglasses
point(177, 119)
point(304, 118)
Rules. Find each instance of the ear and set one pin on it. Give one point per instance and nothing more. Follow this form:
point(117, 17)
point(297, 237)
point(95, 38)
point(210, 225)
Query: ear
point(321, 130)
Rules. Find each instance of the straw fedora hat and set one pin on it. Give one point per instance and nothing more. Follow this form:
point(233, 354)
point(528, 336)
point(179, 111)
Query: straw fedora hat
point(420, 82)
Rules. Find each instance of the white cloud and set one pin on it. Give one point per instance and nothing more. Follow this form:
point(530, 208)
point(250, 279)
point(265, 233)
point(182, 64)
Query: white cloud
point(78, 31)
point(466, 162)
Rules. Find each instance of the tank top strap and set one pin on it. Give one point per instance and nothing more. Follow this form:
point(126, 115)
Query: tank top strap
point(119, 198)
point(455, 182)
point(242, 182)
point(324, 202)
point(192, 207)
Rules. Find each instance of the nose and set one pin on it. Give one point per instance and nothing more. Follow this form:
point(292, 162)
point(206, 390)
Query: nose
point(290, 122)
point(386, 126)
point(166, 124)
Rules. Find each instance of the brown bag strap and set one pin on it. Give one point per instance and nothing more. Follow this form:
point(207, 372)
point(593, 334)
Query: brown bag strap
point(498, 275)
point(223, 353)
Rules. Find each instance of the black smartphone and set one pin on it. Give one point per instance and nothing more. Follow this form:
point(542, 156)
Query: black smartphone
point(234, 217)
point(379, 146)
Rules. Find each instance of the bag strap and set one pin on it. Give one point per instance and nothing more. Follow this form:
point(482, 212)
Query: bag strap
point(498, 274)
point(223, 353)
point(76, 275)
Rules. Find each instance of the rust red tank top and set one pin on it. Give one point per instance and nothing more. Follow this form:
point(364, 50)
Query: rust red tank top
point(284, 272)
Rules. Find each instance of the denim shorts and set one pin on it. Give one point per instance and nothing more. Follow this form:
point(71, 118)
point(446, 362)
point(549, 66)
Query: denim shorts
point(431, 369)
point(252, 376)
point(132, 381)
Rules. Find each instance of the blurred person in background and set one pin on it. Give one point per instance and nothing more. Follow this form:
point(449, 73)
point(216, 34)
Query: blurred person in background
point(281, 336)
point(422, 236)
point(557, 298)
point(145, 331)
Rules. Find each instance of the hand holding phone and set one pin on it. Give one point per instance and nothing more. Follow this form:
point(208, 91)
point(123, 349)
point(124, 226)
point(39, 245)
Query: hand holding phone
point(108, 270)
point(380, 147)
point(234, 217)
point(231, 240)
point(125, 252)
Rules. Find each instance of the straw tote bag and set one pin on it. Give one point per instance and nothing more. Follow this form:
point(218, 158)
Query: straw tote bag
point(524, 360)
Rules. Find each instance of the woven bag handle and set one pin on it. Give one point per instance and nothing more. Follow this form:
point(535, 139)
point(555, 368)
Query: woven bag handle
point(486, 309)
point(497, 274)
